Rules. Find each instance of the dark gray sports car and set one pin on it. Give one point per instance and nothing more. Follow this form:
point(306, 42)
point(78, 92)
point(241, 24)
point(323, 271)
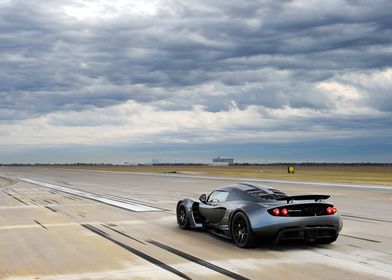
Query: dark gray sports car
point(246, 213)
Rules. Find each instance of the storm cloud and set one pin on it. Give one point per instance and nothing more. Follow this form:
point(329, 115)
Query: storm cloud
point(117, 72)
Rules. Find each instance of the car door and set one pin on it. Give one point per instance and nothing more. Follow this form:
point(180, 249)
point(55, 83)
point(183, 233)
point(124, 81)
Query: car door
point(214, 210)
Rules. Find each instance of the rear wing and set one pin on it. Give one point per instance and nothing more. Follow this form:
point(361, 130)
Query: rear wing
point(315, 197)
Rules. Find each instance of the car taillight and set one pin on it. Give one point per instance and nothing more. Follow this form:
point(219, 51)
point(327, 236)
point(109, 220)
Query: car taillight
point(276, 212)
point(331, 210)
point(285, 212)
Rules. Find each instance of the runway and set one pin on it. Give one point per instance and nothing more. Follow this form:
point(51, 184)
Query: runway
point(72, 224)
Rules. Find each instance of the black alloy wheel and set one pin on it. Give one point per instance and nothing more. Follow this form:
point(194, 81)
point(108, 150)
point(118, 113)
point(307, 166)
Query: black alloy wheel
point(182, 217)
point(241, 231)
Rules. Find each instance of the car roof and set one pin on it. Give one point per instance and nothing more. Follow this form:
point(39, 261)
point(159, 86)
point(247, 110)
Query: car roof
point(246, 190)
point(244, 186)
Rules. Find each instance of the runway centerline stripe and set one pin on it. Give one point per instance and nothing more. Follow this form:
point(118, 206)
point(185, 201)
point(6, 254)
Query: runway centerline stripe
point(138, 253)
point(132, 206)
point(198, 261)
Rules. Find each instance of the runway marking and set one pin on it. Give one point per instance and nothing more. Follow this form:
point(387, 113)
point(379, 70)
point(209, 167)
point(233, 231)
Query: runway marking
point(128, 205)
point(137, 252)
point(377, 187)
point(198, 261)
point(360, 238)
point(125, 199)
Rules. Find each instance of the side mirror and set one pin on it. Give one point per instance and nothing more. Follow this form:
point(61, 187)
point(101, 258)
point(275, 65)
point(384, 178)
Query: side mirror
point(203, 198)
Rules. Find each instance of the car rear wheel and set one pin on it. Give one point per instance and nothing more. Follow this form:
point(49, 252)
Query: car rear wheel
point(182, 216)
point(241, 231)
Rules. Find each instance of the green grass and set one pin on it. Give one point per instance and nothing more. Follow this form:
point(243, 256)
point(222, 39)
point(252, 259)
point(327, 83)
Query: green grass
point(346, 174)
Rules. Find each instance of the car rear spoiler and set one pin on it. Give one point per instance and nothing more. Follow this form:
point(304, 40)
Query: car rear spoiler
point(315, 197)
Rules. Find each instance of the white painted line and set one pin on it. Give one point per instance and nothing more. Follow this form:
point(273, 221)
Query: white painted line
point(133, 206)
point(379, 187)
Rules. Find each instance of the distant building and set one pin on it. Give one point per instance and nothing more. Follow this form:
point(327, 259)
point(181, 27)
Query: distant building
point(223, 160)
point(218, 164)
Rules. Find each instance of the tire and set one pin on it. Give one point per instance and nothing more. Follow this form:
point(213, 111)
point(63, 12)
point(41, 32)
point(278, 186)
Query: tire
point(182, 216)
point(241, 231)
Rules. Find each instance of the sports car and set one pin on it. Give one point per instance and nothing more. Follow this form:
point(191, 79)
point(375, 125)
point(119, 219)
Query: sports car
point(248, 213)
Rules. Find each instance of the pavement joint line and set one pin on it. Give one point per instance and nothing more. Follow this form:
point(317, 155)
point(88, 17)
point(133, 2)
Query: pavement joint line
point(131, 206)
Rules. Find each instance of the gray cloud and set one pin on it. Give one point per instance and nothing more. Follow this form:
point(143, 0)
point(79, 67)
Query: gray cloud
point(322, 56)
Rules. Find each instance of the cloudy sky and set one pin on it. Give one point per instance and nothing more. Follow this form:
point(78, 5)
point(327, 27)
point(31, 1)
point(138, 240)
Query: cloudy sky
point(264, 81)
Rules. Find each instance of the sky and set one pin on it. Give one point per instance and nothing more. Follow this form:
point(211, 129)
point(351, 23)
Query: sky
point(260, 81)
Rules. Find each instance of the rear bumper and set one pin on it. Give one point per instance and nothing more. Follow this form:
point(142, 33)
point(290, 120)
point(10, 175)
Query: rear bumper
point(301, 228)
point(307, 233)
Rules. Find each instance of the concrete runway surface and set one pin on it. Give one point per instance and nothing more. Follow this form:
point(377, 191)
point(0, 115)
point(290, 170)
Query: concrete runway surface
point(69, 224)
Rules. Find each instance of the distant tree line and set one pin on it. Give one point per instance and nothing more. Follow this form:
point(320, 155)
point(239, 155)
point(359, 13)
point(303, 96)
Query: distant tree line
point(203, 164)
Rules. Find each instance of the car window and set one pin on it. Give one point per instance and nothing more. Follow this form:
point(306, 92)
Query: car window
point(218, 196)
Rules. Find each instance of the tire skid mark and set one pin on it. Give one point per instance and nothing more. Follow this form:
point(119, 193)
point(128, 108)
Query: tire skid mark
point(366, 218)
point(16, 198)
point(359, 220)
point(55, 201)
point(96, 230)
point(10, 182)
point(198, 261)
point(137, 252)
point(40, 224)
point(21, 201)
point(51, 209)
point(123, 234)
point(33, 201)
point(47, 201)
point(361, 238)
